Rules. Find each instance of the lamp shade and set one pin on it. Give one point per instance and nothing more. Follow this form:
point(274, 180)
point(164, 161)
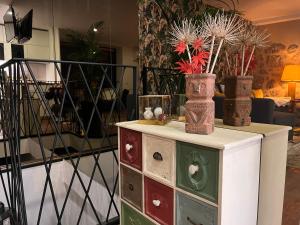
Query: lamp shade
point(291, 73)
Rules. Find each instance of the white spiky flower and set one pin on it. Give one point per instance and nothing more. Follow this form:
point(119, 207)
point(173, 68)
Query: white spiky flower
point(222, 26)
point(260, 39)
point(245, 34)
point(209, 25)
point(187, 32)
point(205, 39)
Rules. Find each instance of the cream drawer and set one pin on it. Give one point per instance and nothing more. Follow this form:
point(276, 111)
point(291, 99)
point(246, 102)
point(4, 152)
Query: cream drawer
point(159, 157)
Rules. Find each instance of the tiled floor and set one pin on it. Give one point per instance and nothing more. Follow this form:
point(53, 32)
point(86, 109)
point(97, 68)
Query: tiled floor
point(291, 210)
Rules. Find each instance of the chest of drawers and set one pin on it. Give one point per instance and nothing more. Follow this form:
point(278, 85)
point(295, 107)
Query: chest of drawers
point(170, 177)
point(273, 161)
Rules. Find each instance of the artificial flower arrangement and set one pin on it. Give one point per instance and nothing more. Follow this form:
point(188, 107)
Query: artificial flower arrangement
point(200, 42)
point(238, 85)
point(240, 58)
point(188, 38)
point(202, 45)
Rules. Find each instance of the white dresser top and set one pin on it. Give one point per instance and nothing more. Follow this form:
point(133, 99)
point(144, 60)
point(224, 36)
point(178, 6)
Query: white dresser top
point(259, 128)
point(220, 139)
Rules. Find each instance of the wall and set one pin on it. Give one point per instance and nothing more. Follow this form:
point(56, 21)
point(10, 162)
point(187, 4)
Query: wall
point(127, 56)
point(43, 45)
point(284, 49)
point(154, 28)
point(61, 175)
point(120, 16)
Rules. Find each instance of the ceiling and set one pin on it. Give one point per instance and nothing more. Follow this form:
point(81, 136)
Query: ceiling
point(121, 16)
point(270, 11)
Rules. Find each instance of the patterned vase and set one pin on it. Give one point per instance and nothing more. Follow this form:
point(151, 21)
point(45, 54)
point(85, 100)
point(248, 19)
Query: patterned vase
point(237, 102)
point(200, 108)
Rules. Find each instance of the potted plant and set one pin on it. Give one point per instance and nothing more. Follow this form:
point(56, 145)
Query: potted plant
point(189, 39)
point(238, 86)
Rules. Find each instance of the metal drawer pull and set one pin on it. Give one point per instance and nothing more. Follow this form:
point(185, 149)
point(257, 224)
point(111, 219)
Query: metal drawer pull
point(130, 186)
point(128, 147)
point(156, 203)
point(193, 169)
point(157, 156)
point(192, 222)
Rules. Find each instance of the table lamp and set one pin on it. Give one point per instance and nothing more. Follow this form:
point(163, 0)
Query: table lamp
point(291, 74)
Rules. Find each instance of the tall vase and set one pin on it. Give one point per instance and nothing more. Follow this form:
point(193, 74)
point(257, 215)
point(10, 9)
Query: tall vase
point(237, 102)
point(200, 108)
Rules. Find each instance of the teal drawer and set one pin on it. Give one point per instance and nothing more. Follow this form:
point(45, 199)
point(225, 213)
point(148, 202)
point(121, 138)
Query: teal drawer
point(198, 170)
point(193, 212)
point(130, 217)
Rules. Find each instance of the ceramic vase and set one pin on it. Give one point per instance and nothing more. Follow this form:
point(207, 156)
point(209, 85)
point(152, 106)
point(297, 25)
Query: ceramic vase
point(200, 108)
point(148, 114)
point(237, 102)
point(157, 112)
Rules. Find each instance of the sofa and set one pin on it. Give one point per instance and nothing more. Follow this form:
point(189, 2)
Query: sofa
point(263, 111)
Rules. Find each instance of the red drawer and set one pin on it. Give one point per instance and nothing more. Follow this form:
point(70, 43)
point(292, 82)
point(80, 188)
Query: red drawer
point(159, 201)
point(131, 148)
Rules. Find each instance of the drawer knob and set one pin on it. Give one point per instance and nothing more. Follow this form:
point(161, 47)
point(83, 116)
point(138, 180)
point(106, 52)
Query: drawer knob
point(193, 169)
point(157, 156)
point(156, 203)
point(128, 147)
point(192, 222)
point(130, 186)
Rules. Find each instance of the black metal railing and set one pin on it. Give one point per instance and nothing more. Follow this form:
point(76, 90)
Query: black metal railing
point(81, 106)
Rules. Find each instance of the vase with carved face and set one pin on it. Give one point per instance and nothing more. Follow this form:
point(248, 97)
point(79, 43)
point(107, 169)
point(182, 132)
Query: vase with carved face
point(200, 108)
point(237, 102)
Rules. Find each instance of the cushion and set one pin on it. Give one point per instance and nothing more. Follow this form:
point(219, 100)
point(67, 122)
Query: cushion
point(281, 101)
point(257, 93)
point(217, 93)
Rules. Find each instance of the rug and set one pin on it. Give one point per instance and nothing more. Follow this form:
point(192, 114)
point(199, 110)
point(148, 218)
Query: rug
point(293, 154)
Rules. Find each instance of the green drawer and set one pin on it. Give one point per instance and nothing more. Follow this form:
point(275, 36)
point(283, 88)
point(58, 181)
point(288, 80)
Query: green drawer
point(191, 211)
point(198, 170)
point(131, 217)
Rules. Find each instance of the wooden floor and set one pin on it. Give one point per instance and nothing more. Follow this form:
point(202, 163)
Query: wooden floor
point(291, 211)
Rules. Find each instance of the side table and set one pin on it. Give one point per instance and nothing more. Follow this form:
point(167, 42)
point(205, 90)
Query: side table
point(295, 108)
point(296, 131)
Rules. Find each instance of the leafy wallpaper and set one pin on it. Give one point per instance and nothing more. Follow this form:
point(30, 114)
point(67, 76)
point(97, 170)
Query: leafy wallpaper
point(270, 63)
point(154, 24)
point(153, 30)
point(284, 49)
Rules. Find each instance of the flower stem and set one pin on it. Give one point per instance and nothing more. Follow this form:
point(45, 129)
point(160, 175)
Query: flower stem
point(227, 60)
point(217, 54)
point(236, 64)
point(189, 53)
point(243, 60)
point(210, 53)
point(249, 60)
